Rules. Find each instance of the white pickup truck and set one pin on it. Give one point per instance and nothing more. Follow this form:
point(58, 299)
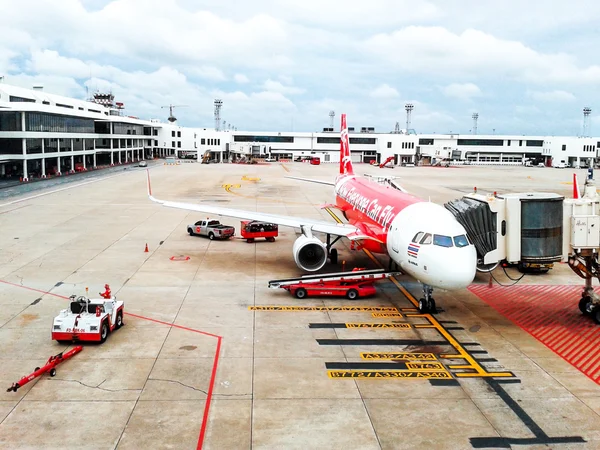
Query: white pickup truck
point(213, 229)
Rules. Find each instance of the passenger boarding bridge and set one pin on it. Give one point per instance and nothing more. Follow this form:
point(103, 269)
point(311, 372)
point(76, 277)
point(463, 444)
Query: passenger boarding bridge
point(535, 230)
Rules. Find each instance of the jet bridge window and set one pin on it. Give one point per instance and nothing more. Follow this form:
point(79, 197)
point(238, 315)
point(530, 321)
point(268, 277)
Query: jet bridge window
point(442, 241)
point(426, 239)
point(418, 237)
point(461, 241)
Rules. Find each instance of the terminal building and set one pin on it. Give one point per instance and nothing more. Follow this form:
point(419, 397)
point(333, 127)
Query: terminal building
point(42, 134)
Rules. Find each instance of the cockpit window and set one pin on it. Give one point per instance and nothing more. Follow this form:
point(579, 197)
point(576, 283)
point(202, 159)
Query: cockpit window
point(442, 241)
point(426, 239)
point(461, 241)
point(418, 236)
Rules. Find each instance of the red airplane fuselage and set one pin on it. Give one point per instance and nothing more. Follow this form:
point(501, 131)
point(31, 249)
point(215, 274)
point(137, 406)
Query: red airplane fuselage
point(371, 207)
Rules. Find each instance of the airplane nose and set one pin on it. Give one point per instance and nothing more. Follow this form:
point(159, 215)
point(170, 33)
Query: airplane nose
point(459, 268)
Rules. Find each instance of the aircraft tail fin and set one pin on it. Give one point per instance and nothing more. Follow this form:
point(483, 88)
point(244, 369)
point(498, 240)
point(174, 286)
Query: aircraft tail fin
point(345, 157)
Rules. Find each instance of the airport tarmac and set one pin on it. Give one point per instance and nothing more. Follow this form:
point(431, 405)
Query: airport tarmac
point(211, 358)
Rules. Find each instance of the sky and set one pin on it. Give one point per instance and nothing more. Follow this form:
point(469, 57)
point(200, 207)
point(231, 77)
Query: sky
point(524, 67)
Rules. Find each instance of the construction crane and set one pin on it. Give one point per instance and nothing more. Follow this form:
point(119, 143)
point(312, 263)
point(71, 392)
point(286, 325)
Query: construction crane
point(172, 118)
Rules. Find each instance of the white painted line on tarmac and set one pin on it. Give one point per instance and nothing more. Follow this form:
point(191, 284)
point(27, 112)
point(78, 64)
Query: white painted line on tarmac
point(61, 189)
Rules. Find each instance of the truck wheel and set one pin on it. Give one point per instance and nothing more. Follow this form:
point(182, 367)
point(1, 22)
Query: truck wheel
point(103, 332)
point(352, 294)
point(36, 369)
point(191, 231)
point(301, 293)
point(119, 321)
point(211, 235)
point(52, 372)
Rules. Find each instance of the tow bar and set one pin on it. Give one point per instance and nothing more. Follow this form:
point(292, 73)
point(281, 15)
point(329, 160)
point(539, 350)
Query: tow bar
point(53, 361)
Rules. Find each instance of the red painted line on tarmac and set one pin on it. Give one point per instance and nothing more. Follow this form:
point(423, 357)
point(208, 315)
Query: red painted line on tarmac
point(32, 289)
point(550, 315)
point(215, 362)
point(173, 325)
point(209, 394)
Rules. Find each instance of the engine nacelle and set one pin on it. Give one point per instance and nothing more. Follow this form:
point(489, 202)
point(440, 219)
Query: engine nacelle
point(310, 253)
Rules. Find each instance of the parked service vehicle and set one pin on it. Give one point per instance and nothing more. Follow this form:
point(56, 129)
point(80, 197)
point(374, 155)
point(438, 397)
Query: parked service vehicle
point(143, 164)
point(88, 320)
point(213, 229)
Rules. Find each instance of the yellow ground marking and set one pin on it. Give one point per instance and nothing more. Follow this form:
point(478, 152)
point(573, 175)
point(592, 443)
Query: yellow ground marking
point(389, 374)
point(424, 326)
point(246, 178)
point(285, 167)
point(378, 325)
point(384, 315)
point(321, 308)
point(399, 356)
point(228, 188)
point(462, 353)
point(425, 366)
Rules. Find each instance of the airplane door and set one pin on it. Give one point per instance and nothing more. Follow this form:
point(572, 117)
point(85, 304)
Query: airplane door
point(395, 240)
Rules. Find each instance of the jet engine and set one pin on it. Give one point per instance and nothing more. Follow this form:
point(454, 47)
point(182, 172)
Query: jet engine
point(310, 253)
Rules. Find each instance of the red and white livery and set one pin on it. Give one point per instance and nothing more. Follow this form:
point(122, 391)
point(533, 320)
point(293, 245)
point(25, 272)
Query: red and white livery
point(88, 320)
point(424, 239)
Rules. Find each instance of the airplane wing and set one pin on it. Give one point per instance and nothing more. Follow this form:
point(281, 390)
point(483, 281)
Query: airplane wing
point(311, 180)
point(337, 229)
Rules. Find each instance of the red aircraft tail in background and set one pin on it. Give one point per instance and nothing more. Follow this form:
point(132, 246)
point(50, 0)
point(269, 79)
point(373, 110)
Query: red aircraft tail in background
point(345, 157)
point(575, 187)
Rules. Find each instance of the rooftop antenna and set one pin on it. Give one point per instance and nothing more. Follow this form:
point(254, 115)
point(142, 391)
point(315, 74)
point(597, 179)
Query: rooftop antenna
point(408, 107)
point(224, 125)
point(587, 111)
point(475, 116)
point(218, 105)
point(331, 118)
point(397, 128)
point(171, 117)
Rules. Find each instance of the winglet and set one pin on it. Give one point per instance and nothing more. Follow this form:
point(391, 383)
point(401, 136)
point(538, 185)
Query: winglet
point(150, 189)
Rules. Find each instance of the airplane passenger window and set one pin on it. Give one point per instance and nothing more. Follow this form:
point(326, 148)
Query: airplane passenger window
point(442, 241)
point(461, 241)
point(418, 236)
point(426, 239)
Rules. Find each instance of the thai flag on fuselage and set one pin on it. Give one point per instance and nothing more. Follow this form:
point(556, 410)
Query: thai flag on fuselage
point(413, 249)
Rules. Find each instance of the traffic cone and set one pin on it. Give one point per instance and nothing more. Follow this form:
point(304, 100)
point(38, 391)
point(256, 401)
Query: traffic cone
point(146, 249)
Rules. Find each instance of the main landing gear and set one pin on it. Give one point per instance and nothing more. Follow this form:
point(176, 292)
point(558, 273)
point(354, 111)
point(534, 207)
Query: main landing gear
point(590, 304)
point(427, 303)
point(332, 253)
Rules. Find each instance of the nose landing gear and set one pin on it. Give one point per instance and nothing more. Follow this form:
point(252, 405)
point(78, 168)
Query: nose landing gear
point(427, 303)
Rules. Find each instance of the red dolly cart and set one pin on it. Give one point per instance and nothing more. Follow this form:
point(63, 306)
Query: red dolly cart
point(351, 285)
point(252, 229)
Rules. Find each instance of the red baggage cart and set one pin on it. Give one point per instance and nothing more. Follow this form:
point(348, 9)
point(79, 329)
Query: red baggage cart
point(253, 229)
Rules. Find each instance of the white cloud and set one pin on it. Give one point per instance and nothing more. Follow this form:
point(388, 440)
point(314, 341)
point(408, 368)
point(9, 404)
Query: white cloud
point(461, 91)
point(241, 78)
point(315, 56)
point(551, 96)
point(276, 86)
point(384, 91)
point(207, 73)
point(440, 52)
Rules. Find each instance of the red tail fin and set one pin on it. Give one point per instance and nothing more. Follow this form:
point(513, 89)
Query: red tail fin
point(575, 187)
point(345, 158)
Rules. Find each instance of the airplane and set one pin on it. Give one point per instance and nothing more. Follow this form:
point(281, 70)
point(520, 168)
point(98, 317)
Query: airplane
point(422, 238)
